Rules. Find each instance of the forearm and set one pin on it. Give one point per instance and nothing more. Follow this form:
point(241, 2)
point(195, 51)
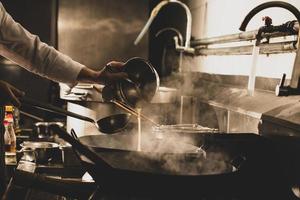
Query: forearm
point(26, 49)
point(88, 76)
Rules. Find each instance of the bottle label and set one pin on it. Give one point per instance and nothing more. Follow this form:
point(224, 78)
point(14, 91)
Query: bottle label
point(9, 138)
point(9, 108)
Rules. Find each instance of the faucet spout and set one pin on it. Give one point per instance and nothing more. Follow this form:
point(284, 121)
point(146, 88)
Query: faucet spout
point(266, 5)
point(155, 12)
point(153, 15)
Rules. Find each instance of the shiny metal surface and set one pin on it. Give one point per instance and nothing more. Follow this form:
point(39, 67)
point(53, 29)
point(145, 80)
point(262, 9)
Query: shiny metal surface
point(94, 32)
point(36, 145)
point(39, 152)
point(43, 130)
point(155, 12)
point(82, 92)
point(165, 95)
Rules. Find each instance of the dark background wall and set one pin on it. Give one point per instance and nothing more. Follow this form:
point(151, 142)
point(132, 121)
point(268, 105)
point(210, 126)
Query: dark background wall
point(39, 17)
point(94, 32)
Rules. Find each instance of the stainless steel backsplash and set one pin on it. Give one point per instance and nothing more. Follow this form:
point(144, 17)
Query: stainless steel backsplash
point(94, 32)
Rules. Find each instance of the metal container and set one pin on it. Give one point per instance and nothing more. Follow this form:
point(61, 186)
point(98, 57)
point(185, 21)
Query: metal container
point(145, 81)
point(140, 86)
point(42, 130)
point(39, 152)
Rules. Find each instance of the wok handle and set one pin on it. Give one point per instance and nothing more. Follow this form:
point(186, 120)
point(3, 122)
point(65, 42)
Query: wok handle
point(54, 109)
point(65, 187)
point(81, 149)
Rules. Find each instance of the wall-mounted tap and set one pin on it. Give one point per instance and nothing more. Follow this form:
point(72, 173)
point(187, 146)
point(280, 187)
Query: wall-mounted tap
point(267, 28)
point(178, 41)
point(178, 36)
point(294, 87)
point(289, 27)
point(266, 5)
point(155, 12)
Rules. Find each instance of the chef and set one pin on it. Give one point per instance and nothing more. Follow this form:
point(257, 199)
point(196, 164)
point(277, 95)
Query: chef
point(26, 49)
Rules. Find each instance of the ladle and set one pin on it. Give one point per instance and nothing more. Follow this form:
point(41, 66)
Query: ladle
point(111, 124)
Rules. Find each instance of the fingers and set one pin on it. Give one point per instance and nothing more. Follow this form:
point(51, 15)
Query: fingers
point(117, 76)
point(114, 67)
point(109, 77)
point(116, 64)
point(112, 73)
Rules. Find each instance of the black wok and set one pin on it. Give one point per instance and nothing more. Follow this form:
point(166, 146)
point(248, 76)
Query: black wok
point(111, 124)
point(131, 172)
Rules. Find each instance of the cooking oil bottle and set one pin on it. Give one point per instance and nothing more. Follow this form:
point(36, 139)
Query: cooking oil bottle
point(9, 138)
point(9, 134)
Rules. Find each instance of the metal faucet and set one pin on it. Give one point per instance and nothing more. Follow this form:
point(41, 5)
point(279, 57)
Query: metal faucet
point(294, 87)
point(178, 40)
point(288, 27)
point(178, 36)
point(266, 5)
point(155, 12)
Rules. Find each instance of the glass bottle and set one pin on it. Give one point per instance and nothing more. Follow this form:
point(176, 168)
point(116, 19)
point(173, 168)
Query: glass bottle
point(13, 139)
point(7, 140)
point(10, 140)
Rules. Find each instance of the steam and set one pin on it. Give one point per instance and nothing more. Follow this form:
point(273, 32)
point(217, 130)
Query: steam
point(167, 155)
point(170, 163)
point(168, 151)
point(213, 163)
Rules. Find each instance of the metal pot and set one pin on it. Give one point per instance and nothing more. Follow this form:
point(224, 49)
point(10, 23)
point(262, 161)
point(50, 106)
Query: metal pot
point(42, 130)
point(39, 152)
point(141, 85)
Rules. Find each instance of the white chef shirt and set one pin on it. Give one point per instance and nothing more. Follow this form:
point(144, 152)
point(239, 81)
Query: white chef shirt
point(26, 49)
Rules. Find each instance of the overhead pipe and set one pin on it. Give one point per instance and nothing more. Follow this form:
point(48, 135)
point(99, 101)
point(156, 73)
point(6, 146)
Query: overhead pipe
point(238, 37)
point(273, 48)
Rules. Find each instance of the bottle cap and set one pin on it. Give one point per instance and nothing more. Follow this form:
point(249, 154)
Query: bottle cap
point(9, 108)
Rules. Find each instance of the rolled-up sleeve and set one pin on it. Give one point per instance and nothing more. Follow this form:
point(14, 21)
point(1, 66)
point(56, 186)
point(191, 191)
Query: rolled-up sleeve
point(26, 49)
